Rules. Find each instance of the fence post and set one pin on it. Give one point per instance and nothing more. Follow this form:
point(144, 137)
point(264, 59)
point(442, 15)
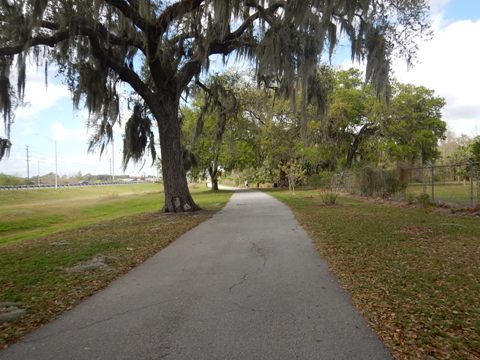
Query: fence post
point(433, 183)
point(471, 184)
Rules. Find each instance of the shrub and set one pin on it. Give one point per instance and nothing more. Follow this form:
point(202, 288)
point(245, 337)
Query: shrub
point(410, 198)
point(321, 180)
point(424, 200)
point(328, 197)
point(379, 182)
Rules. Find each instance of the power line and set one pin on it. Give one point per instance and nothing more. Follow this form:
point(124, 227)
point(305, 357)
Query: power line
point(56, 166)
point(28, 165)
point(113, 162)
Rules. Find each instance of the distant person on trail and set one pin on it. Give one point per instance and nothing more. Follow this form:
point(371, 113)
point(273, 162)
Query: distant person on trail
point(246, 183)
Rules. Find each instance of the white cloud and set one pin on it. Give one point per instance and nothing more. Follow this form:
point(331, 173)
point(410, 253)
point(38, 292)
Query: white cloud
point(448, 64)
point(27, 128)
point(39, 97)
point(438, 6)
point(61, 133)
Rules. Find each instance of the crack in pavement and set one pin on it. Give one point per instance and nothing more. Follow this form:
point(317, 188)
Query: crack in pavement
point(244, 278)
point(241, 307)
point(260, 252)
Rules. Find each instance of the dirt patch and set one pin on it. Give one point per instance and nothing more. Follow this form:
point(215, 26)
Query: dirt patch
point(10, 311)
point(99, 262)
point(416, 230)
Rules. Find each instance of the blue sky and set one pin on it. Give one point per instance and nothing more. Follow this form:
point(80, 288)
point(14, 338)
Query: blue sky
point(460, 9)
point(448, 64)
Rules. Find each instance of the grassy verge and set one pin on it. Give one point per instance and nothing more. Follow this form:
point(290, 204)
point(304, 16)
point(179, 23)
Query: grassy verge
point(28, 214)
point(33, 274)
point(451, 194)
point(414, 274)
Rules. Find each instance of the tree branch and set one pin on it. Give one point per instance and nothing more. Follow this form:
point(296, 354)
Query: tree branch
point(36, 41)
point(249, 21)
point(176, 11)
point(126, 74)
point(135, 42)
point(188, 71)
point(130, 13)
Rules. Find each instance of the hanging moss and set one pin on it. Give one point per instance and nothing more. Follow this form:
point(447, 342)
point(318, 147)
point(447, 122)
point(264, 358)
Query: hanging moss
point(138, 137)
point(98, 47)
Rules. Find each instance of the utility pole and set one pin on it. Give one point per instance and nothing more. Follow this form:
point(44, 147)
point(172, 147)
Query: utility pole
point(113, 162)
point(56, 166)
point(38, 173)
point(28, 165)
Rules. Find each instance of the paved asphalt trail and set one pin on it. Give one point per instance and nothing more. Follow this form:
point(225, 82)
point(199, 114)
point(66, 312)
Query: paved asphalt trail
point(246, 284)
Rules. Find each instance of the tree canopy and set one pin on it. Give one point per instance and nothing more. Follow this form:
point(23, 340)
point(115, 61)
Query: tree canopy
point(352, 128)
point(158, 48)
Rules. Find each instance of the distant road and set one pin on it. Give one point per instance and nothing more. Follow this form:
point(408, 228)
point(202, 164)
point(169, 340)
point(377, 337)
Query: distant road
point(42, 186)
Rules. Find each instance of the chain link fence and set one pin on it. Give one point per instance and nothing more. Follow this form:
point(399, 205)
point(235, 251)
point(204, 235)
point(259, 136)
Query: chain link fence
point(455, 185)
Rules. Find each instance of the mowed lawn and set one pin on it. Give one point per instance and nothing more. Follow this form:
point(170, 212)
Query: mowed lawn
point(26, 214)
point(455, 194)
point(46, 233)
point(414, 273)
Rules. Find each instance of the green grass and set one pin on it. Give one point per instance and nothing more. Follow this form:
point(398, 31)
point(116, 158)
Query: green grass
point(31, 272)
point(27, 214)
point(413, 273)
point(453, 194)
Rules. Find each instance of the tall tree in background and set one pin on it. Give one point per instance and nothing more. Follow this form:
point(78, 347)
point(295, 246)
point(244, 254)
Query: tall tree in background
point(159, 47)
point(352, 117)
point(415, 124)
point(204, 136)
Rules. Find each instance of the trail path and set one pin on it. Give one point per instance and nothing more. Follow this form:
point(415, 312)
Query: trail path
point(246, 284)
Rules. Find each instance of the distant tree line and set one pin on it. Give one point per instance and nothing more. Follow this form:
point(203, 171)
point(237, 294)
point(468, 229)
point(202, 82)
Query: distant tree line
point(236, 126)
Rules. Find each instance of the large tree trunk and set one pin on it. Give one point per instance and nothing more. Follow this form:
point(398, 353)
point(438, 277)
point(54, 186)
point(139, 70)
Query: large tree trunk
point(366, 130)
point(283, 180)
point(177, 194)
point(213, 173)
point(214, 178)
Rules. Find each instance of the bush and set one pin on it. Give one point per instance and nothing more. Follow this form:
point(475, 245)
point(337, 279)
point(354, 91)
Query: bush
point(328, 197)
point(424, 200)
point(9, 180)
point(321, 180)
point(410, 198)
point(379, 182)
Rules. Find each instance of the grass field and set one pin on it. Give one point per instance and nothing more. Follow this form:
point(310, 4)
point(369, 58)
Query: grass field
point(414, 273)
point(46, 232)
point(26, 214)
point(452, 194)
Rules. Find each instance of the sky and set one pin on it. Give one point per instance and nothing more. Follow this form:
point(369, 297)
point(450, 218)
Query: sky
point(448, 63)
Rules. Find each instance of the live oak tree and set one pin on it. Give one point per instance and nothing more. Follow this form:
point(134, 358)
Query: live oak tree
point(220, 102)
point(159, 47)
point(414, 125)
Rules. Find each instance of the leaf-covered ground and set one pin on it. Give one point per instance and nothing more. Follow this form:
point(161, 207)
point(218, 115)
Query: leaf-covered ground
point(32, 272)
point(413, 273)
